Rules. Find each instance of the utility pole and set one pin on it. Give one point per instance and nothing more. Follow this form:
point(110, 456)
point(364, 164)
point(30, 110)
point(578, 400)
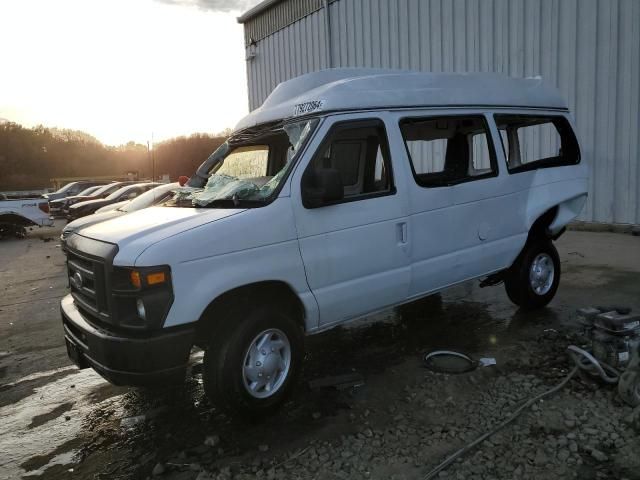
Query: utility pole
point(153, 161)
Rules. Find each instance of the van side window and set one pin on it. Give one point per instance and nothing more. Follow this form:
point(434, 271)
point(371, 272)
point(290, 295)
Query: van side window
point(359, 151)
point(532, 142)
point(448, 150)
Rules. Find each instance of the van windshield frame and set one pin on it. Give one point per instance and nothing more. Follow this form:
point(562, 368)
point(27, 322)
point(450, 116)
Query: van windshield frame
point(262, 157)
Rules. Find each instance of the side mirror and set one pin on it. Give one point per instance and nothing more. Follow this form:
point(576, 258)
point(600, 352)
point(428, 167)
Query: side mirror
point(132, 195)
point(321, 187)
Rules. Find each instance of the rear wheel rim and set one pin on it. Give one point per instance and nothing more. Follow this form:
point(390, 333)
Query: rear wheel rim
point(267, 362)
point(542, 274)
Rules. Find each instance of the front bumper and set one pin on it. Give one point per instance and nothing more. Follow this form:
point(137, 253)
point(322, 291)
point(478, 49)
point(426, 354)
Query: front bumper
point(72, 215)
point(56, 211)
point(126, 360)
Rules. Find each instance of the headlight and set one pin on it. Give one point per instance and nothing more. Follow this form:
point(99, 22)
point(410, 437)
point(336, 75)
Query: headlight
point(141, 311)
point(65, 233)
point(142, 296)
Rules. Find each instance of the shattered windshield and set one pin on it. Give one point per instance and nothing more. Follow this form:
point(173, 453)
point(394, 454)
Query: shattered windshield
point(247, 169)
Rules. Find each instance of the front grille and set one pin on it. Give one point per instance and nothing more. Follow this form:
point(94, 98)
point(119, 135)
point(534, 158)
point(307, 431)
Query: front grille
point(87, 282)
point(89, 269)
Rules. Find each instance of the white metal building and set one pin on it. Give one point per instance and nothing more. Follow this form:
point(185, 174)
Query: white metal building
point(589, 49)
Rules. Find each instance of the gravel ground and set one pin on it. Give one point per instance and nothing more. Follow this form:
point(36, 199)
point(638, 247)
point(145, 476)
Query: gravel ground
point(584, 431)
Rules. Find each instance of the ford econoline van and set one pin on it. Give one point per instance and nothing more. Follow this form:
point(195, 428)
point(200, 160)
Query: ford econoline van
point(347, 192)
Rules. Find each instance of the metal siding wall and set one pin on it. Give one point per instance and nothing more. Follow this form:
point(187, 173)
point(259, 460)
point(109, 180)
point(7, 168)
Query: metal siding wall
point(292, 51)
point(590, 49)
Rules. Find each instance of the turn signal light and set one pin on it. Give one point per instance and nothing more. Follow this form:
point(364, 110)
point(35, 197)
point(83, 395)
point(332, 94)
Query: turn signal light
point(150, 279)
point(155, 278)
point(135, 279)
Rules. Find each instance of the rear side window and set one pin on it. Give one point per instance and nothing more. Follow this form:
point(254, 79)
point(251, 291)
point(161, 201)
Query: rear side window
point(531, 142)
point(448, 150)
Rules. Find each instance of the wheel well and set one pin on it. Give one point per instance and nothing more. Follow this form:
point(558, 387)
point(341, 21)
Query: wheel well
point(539, 229)
point(15, 219)
point(275, 291)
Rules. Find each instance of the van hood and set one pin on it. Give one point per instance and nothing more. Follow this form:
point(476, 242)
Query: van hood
point(150, 225)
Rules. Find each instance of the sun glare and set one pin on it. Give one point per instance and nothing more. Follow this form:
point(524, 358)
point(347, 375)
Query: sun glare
point(121, 70)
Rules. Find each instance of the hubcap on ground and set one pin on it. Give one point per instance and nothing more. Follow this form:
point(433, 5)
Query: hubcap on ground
point(266, 363)
point(541, 274)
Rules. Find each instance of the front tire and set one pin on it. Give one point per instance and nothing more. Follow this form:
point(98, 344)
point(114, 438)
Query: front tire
point(533, 280)
point(251, 367)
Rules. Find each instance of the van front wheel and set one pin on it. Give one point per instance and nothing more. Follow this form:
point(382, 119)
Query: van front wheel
point(250, 368)
point(533, 279)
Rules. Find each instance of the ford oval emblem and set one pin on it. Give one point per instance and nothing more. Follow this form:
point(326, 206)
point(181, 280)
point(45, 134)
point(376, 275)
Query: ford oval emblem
point(76, 280)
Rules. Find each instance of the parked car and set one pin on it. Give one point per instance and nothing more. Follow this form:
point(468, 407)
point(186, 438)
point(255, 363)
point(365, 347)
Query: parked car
point(151, 197)
point(140, 203)
point(127, 192)
point(15, 215)
point(103, 191)
point(346, 192)
point(56, 207)
point(72, 188)
point(112, 206)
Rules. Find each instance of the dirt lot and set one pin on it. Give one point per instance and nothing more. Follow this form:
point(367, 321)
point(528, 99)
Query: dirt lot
point(58, 422)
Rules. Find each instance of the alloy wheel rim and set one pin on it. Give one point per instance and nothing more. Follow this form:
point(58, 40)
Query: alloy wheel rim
point(266, 364)
point(541, 274)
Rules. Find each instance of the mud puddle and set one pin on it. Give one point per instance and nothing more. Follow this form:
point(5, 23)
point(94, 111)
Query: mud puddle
point(47, 418)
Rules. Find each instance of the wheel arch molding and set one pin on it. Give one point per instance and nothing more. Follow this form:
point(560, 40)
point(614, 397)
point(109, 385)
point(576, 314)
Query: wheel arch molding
point(278, 292)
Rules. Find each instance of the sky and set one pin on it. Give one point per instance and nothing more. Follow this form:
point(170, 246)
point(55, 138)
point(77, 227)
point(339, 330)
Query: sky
point(123, 70)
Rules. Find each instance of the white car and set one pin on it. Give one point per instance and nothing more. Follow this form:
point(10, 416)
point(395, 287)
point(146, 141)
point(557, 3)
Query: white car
point(15, 215)
point(347, 192)
point(113, 206)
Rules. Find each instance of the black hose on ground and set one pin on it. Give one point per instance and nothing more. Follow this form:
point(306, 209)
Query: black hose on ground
point(583, 361)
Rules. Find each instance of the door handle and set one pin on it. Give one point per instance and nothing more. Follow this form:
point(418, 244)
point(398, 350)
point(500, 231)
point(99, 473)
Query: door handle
point(402, 232)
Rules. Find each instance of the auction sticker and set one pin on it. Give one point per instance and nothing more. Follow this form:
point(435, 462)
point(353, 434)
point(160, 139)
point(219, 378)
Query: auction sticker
point(307, 107)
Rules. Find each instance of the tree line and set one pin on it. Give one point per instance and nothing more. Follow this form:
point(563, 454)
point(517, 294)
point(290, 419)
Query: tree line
point(31, 157)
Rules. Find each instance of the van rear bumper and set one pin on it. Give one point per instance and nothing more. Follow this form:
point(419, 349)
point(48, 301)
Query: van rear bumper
point(126, 359)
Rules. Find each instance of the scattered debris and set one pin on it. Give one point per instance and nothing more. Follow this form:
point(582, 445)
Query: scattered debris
point(340, 382)
point(159, 469)
point(212, 441)
point(448, 361)
point(131, 422)
point(487, 362)
point(204, 475)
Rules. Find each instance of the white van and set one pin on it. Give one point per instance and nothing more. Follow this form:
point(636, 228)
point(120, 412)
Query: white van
point(347, 192)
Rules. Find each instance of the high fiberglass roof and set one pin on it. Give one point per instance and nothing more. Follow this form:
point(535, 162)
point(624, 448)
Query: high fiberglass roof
point(366, 89)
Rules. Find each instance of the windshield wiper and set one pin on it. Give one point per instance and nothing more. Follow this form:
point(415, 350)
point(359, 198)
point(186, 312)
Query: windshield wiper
point(233, 202)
